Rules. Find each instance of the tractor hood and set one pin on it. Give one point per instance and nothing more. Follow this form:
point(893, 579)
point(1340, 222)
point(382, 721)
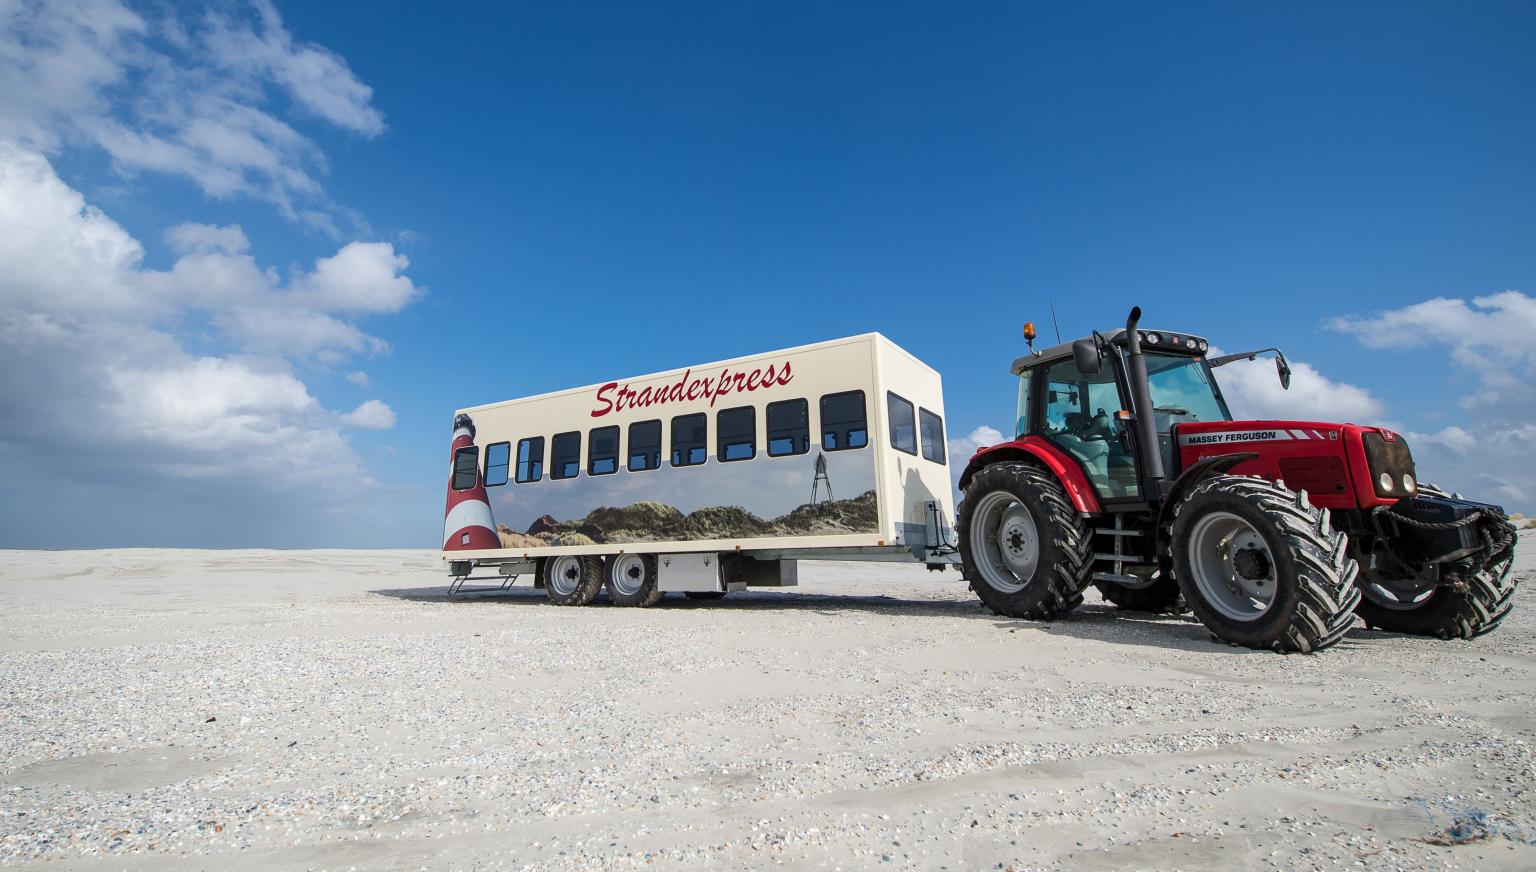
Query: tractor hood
point(1338, 465)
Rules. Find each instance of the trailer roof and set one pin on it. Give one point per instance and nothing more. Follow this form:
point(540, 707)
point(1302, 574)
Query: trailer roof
point(814, 346)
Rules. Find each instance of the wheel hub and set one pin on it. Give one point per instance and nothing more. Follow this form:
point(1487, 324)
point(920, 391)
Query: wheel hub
point(1006, 541)
point(1232, 566)
point(1251, 563)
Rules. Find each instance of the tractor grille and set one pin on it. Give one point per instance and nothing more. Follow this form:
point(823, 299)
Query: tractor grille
point(1390, 457)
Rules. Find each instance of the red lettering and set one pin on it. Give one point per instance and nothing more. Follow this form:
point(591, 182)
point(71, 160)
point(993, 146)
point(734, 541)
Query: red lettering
point(607, 404)
point(752, 379)
point(785, 376)
point(740, 378)
point(693, 389)
point(768, 376)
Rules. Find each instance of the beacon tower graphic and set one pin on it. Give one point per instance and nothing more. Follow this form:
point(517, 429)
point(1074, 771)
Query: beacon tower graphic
point(467, 521)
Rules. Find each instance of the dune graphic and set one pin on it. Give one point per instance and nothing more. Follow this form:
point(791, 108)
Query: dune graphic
point(650, 521)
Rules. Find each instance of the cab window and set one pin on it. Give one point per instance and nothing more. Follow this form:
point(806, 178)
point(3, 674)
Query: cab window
point(1080, 419)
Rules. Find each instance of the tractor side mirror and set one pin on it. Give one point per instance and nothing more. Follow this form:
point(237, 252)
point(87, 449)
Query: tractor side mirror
point(1284, 368)
point(1085, 353)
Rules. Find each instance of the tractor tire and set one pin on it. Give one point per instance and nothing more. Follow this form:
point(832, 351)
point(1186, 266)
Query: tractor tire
point(1460, 612)
point(1023, 548)
point(1161, 597)
point(571, 581)
point(1261, 567)
point(631, 580)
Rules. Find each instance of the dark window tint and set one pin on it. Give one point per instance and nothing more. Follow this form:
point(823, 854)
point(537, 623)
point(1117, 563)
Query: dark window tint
point(903, 424)
point(690, 439)
point(530, 459)
point(644, 445)
point(497, 458)
point(466, 465)
point(789, 428)
point(842, 421)
point(565, 455)
point(603, 451)
point(737, 432)
point(932, 431)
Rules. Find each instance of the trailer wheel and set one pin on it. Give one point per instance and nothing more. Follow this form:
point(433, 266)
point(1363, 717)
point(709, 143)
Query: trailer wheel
point(1261, 567)
point(1461, 611)
point(571, 581)
point(1161, 597)
point(1023, 548)
point(631, 580)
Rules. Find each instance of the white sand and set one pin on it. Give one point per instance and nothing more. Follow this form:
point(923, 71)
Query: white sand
point(875, 714)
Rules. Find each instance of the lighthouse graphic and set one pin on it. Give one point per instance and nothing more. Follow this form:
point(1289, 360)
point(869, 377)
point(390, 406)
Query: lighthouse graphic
point(467, 521)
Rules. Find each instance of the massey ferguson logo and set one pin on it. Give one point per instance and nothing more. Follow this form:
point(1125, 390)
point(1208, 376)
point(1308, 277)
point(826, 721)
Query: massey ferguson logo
point(1254, 436)
point(614, 397)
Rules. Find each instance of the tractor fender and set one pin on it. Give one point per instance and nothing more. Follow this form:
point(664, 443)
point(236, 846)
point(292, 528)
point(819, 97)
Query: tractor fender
point(1200, 470)
point(1034, 449)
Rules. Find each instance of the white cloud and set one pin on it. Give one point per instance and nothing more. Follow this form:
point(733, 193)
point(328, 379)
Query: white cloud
point(185, 98)
point(962, 447)
point(1488, 337)
point(361, 277)
point(371, 415)
point(1253, 391)
point(1496, 463)
point(89, 364)
point(358, 377)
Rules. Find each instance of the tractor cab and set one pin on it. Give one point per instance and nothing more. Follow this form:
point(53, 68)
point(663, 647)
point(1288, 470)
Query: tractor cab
point(1087, 410)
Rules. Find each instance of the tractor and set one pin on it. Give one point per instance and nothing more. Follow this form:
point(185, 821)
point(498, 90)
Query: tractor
point(1128, 472)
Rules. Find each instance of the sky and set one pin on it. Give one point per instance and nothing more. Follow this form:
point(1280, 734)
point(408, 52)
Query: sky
point(252, 256)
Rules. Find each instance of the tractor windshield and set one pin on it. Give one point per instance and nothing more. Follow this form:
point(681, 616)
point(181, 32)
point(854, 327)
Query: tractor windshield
point(1183, 391)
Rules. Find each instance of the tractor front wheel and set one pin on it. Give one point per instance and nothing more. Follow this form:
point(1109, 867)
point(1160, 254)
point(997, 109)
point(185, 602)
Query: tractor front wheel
point(1261, 567)
point(1023, 548)
point(1476, 604)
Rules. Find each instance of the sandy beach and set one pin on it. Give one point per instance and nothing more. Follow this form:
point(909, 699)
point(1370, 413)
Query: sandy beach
point(334, 710)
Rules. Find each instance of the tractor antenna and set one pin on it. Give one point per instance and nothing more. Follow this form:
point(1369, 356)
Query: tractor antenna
point(1053, 321)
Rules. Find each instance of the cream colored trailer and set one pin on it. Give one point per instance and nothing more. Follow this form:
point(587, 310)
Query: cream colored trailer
point(725, 472)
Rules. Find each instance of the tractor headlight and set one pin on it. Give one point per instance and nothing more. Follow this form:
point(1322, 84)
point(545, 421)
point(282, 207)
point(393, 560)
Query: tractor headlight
point(1385, 480)
point(1408, 483)
point(1205, 346)
point(1153, 338)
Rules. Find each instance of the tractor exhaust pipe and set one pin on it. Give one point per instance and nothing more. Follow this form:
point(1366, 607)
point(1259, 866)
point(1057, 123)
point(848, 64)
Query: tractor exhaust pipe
point(1152, 473)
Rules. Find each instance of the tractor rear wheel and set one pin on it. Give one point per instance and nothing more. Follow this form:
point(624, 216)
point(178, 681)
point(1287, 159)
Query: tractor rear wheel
point(1161, 597)
point(1261, 567)
point(1466, 610)
point(1023, 547)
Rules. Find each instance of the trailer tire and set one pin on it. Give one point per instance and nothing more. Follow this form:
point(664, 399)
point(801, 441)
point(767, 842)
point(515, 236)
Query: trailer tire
point(1461, 612)
point(1161, 597)
point(1048, 547)
point(631, 580)
point(1238, 539)
point(570, 580)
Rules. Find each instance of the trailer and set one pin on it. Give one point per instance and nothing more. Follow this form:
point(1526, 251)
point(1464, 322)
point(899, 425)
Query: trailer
point(705, 479)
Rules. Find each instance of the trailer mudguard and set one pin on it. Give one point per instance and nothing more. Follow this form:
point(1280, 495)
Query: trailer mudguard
point(1036, 449)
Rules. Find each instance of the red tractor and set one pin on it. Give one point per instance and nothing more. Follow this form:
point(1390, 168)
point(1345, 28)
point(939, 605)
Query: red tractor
point(1127, 472)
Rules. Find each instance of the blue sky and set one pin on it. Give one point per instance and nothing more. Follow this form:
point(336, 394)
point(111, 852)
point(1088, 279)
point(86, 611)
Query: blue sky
point(514, 198)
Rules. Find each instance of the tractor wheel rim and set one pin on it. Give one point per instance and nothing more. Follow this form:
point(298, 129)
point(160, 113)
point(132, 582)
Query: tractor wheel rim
point(1232, 566)
point(1007, 542)
point(628, 574)
point(565, 575)
point(1384, 594)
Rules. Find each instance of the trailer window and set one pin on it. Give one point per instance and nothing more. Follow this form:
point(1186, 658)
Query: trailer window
point(690, 439)
point(931, 427)
point(498, 457)
point(603, 451)
point(789, 428)
point(842, 421)
point(466, 467)
point(565, 455)
point(644, 445)
point(903, 423)
point(737, 431)
point(530, 459)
